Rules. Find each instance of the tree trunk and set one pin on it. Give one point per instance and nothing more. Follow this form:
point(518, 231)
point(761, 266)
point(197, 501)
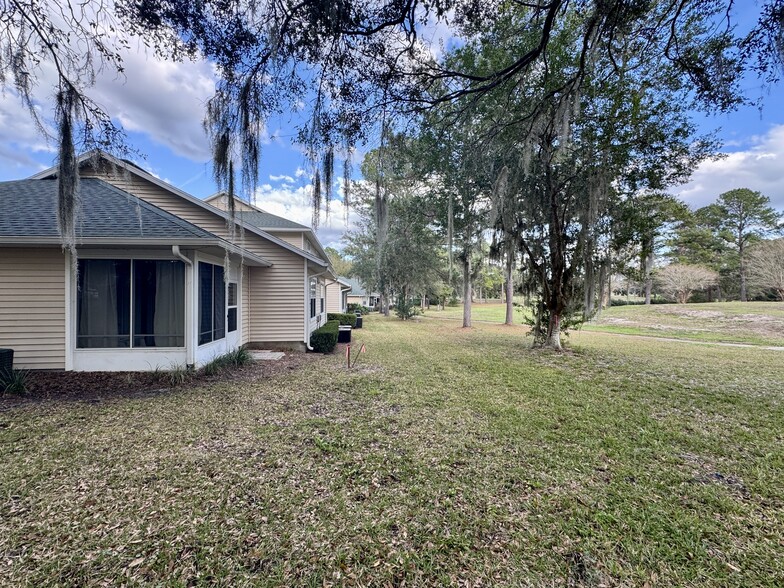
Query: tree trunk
point(509, 289)
point(743, 295)
point(554, 332)
point(602, 286)
point(589, 288)
point(647, 272)
point(467, 291)
point(558, 282)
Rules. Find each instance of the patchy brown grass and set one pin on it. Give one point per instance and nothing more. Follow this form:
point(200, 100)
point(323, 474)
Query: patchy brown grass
point(448, 457)
point(756, 323)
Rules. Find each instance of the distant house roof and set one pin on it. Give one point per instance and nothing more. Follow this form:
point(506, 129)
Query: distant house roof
point(356, 287)
point(253, 216)
point(28, 214)
point(265, 220)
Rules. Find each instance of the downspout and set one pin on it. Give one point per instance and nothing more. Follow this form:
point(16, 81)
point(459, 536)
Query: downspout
point(307, 303)
point(190, 354)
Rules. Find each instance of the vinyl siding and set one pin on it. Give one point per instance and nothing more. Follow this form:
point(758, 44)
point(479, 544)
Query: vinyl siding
point(246, 305)
point(276, 297)
point(290, 238)
point(238, 205)
point(161, 198)
point(333, 297)
point(32, 306)
point(277, 301)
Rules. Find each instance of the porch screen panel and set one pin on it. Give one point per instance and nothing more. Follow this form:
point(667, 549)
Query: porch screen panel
point(159, 303)
point(205, 303)
point(219, 304)
point(103, 303)
point(212, 303)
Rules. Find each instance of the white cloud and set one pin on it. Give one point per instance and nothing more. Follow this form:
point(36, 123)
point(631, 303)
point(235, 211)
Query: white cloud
point(294, 203)
point(162, 99)
point(759, 167)
point(19, 136)
point(283, 178)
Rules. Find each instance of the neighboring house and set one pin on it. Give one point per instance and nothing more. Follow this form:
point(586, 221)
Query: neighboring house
point(358, 294)
point(150, 289)
point(337, 295)
point(299, 236)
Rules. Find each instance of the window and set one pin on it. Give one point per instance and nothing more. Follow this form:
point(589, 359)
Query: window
point(123, 303)
point(232, 304)
point(321, 291)
point(312, 297)
point(212, 303)
point(158, 303)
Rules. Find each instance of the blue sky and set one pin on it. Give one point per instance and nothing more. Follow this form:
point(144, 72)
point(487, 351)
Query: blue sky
point(161, 106)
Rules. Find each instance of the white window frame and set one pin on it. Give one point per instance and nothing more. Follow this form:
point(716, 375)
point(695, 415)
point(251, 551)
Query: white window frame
point(230, 306)
point(133, 257)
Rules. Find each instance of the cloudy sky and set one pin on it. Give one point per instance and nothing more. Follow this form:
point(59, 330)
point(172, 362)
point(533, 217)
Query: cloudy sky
point(161, 106)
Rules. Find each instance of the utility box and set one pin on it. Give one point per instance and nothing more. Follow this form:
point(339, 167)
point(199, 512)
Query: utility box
point(344, 334)
point(6, 360)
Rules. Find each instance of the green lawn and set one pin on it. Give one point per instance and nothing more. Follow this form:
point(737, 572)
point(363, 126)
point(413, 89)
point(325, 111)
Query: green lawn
point(448, 456)
point(491, 312)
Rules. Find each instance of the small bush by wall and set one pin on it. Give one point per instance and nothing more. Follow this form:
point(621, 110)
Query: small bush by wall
point(324, 339)
point(14, 381)
point(239, 357)
point(347, 318)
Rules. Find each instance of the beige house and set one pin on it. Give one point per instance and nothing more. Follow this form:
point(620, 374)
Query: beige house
point(359, 295)
point(337, 295)
point(162, 278)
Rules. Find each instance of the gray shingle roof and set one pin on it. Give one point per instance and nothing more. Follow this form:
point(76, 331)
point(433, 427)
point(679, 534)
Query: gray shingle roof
point(265, 220)
point(356, 287)
point(28, 209)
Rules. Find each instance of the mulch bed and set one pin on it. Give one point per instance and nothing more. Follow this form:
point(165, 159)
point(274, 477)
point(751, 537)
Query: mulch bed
point(97, 386)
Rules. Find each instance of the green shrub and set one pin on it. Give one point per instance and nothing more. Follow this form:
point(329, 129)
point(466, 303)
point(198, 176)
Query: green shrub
point(239, 357)
point(347, 318)
point(14, 381)
point(355, 306)
point(178, 374)
point(405, 309)
point(324, 339)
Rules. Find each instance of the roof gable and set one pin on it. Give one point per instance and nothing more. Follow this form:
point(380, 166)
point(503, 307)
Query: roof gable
point(28, 208)
point(136, 170)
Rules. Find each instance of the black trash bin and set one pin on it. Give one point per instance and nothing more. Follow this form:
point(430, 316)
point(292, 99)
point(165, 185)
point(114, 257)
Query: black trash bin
point(358, 325)
point(344, 334)
point(6, 360)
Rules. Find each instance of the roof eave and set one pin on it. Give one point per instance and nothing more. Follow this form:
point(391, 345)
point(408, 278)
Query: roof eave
point(199, 202)
point(16, 241)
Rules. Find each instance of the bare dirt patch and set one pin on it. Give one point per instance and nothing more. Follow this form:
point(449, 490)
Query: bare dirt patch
point(99, 386)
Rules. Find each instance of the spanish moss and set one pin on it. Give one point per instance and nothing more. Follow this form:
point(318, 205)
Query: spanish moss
point(328, 167)
point(316, 198)
point(68, 172)
point(347, 184)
